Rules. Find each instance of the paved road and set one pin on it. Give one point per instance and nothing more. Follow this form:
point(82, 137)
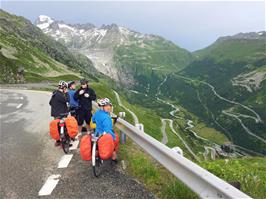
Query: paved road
point(135, 118)
point(28, 156)
point(163, 130)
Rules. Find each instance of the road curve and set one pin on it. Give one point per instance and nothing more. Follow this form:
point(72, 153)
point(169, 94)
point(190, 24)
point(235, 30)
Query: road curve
point(28, 156)
point(257, 119)
point(135, 118)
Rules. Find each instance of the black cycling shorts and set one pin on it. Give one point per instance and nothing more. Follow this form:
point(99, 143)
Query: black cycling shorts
point(84, 115)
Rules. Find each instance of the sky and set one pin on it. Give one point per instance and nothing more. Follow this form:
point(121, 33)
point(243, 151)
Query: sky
point(191, 25)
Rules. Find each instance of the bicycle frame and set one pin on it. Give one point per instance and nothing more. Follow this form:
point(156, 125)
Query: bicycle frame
point(62, 128)
point(94, 140)
point(63, 137)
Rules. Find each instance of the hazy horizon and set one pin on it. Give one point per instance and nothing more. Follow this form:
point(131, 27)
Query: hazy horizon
point(190, 25)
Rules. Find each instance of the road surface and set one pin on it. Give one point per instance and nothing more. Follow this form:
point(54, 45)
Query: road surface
point(163, 130)
point(29, 158)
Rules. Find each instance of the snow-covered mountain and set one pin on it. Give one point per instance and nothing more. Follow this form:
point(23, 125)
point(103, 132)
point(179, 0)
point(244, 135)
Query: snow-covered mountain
point(120, 53)
point(97, 43)
point(86, 35)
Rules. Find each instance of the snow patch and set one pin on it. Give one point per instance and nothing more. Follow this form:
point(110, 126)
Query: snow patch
point(64, 26)
point(43, 26)
point(44, 18)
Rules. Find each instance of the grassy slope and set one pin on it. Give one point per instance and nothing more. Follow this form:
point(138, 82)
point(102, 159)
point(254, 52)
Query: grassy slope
point(37, 65)
point(24, 46)
point(250, 172)
point(145, 59)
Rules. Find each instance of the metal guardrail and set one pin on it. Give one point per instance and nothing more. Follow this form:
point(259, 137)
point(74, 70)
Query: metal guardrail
point(202, 182)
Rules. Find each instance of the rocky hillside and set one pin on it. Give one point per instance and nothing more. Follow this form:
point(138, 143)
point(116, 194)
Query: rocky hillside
point(124, 55)
point(27, 54)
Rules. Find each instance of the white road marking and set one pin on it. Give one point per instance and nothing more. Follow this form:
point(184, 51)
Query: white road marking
point(64, 161)
point(49, 185)
point(18, 106)
point(74, 145)
point(21, 98)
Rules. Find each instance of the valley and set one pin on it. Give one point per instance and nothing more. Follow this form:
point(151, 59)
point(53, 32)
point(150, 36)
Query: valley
point(210, 103)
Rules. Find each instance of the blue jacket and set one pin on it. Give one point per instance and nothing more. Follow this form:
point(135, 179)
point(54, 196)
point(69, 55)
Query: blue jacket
point(103, 123)
point(73, 103)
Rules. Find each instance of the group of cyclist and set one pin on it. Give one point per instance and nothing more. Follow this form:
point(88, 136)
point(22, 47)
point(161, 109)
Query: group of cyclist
point(79, 103)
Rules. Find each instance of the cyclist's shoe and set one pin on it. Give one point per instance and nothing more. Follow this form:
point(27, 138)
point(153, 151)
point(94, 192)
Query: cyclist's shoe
point(57, 143)
point(73, 139)
point(70, 145)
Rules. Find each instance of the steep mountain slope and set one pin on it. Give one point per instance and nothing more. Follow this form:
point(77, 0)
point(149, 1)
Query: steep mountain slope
point(124, 55)
point(26, 51)
point(231, 58)
point(225, 85)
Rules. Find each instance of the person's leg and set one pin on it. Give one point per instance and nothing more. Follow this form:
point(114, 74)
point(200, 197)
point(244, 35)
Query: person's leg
point(88, 120)
point(80, 120)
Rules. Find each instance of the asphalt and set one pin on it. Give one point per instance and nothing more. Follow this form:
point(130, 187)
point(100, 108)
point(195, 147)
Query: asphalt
point(28, 156)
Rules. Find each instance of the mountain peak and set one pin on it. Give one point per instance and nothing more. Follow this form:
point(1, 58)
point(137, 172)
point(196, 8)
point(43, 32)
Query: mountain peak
point(44, 18)
point(43, 21)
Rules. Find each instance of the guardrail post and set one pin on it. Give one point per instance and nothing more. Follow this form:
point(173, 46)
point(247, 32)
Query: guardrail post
point(122, 135)
point(140, 126)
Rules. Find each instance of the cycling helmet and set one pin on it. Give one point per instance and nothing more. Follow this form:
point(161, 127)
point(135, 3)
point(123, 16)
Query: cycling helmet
point(62, 84)
point(83, 81)
point(104, 102)
point(70, 83)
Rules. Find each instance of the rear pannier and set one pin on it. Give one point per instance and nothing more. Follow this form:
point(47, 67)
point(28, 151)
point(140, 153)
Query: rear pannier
point(85, 147)
point(106, 146)
point(71, 126)
point(54, 130)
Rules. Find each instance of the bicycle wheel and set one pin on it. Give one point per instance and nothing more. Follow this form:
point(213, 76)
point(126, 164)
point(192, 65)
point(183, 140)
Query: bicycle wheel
point(65, 144)
point(96, 162)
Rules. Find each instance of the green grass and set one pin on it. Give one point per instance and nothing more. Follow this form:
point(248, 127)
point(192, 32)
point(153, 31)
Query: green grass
point(250, 172)
point(35, 78)
point(156, 178)
point(210, 133)
point(148, 117)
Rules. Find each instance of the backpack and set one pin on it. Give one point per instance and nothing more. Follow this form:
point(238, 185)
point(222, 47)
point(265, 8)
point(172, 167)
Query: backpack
point(85, 147)
point(71, 126)
point(106, 146)
point(54, 129)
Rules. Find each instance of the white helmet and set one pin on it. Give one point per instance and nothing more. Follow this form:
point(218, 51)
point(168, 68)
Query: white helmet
point(104, 102)
point(62, 84)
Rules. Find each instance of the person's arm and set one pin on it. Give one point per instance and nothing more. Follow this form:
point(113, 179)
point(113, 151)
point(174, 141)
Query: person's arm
point(76, 95)
point(92, 95)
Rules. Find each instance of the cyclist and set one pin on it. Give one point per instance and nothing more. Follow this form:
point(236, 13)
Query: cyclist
point(58, 102)
point(85, 95)
point(103, 121)
point(73, 104)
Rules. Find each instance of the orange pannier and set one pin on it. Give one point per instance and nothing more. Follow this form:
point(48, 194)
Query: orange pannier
point(85, 147)
point(71, 126)
point(117, 140)
point(54, 131)
point(106, 146)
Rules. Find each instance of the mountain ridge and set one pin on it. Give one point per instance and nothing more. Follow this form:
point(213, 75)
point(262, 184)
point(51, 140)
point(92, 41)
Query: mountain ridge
point(103, 45)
